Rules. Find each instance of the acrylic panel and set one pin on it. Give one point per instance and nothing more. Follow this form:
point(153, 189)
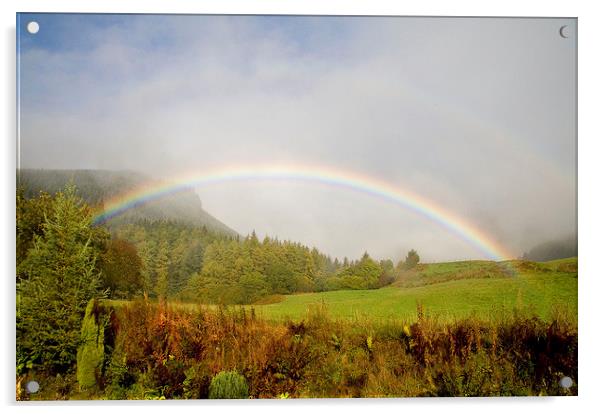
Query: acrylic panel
point(247, 206)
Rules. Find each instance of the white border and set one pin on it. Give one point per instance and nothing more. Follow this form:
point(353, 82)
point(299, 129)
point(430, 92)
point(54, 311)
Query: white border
point(590, 199)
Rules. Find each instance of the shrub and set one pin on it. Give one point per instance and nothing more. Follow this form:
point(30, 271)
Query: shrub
point(196, 384)
point(90, 354)
point(228, 385)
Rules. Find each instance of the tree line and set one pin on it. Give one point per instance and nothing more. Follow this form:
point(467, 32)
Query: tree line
point(166, 259)
point(244, 271)
point(170, 259)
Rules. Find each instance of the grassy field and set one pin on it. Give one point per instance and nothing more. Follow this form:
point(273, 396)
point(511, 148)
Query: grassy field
point(449, 291)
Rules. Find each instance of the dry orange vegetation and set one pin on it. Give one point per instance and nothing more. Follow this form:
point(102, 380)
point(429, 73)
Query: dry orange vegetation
point(158, 351)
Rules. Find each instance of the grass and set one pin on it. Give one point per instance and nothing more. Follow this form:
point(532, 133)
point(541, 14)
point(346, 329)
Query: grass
point(448, 300)
point(448, 290)
point(431, 273)
point(537, 287)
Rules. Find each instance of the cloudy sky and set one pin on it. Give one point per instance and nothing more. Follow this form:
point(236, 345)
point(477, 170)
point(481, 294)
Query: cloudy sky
point(477, 115)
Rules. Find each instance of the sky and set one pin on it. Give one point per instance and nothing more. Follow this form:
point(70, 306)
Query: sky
point(476, 115)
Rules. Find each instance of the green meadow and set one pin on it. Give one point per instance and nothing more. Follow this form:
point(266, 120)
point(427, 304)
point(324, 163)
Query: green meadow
point(448, 291)
point(540, 289)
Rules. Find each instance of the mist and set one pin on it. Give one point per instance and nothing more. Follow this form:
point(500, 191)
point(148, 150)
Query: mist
point(476, 115)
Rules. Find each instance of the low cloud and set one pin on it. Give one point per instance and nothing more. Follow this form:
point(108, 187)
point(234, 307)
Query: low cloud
point(474, 114)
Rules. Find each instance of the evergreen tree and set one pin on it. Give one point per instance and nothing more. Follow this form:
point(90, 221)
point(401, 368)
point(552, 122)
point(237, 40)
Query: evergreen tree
point(147, 271)
point(363, 274)
point(59, 277)
point(412, 259)
point(30, 219)
point(162, 285)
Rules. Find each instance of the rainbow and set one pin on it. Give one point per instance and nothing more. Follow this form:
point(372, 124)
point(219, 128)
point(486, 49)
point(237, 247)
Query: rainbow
point(350, 180)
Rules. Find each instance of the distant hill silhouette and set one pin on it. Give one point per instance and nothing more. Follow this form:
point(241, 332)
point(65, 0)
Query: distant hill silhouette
point(553, 249)
point(97, 186)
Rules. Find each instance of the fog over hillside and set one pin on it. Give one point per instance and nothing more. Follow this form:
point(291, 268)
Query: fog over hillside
point(475, 115)
point(96, 187)
point(553, 249)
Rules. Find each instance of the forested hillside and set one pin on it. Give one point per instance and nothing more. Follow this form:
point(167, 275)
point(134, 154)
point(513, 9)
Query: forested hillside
point(174, 259)
point(98, 186)
point(170, 253)
point(244, 271)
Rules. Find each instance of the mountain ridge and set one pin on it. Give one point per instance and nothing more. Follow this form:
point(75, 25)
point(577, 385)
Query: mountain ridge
point(98, 186)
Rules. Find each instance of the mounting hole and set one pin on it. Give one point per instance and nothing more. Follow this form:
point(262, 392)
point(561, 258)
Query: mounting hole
point(33, 27)
point(32, 387)
point(566, 382)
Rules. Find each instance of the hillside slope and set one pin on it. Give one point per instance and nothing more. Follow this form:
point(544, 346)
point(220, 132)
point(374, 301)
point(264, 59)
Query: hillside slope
point(97, 186)
point(431, 273)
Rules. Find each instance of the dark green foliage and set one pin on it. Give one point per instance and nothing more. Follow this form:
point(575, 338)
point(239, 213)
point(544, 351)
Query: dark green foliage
point(162, 269)
point(118, 375)
point(228, 385)
point(171, 250)
point(31, 213)
point(121, 269)
point(58, 278)
point(196, 384)
point(245, 271)
point(31, 217)
point(361, 275)
point(242, 272)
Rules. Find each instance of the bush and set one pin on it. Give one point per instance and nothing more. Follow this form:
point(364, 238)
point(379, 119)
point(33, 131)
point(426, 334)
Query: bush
point(228, 385)
point(90, 354)
point(196, 384)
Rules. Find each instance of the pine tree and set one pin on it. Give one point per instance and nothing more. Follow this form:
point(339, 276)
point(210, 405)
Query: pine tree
point(30, 218)
point(146, 251)
point(59, 277)
point(162, 286)
point(412, 259)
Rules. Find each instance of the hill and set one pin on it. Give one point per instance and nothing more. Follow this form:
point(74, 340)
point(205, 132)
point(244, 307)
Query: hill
point(97, 186)
point(553, 249)
point(431, 273)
